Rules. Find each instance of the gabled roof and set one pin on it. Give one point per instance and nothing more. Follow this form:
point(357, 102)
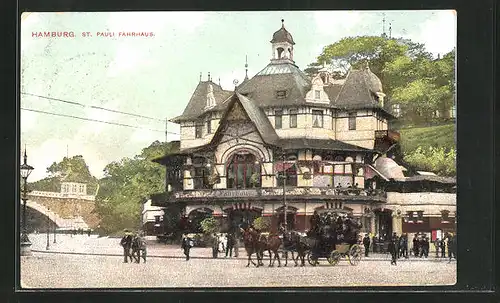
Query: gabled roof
point(198, 101)
point(259, 118)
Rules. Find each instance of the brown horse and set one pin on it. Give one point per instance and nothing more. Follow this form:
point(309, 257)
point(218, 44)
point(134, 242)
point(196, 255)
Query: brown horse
point(250, 240)
point(271, 244)
point(292, 242)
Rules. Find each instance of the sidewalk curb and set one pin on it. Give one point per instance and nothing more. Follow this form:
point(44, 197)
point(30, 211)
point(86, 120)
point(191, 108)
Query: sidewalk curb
point(222, 258)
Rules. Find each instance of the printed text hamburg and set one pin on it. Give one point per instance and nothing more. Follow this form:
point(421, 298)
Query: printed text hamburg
point(46, 34)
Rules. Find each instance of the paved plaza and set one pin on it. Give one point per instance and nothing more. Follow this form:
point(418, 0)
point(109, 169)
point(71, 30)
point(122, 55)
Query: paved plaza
point(90, 262)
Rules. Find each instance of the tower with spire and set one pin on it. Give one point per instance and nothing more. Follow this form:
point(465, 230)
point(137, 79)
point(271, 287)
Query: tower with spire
point(282, 45)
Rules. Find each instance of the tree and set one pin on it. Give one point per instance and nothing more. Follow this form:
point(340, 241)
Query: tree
point(262, 223)
point(127, 184)
point(210, 225)
point(436, 160)
point(409, 74)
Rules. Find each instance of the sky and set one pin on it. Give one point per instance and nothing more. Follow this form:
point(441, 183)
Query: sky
point(155, 76)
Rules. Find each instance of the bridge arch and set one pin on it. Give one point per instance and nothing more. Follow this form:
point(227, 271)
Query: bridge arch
point(52, 216)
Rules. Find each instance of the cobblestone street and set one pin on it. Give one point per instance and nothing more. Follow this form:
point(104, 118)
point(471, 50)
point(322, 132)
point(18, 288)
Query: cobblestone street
point(74, 263)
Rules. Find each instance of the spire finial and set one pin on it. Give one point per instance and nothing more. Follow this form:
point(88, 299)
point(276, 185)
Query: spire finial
point(219, 81)
point(246, 67)
point(208, 76)
point(25, 156)
point(367, 65)
point(200, 76)
point(383, 25)
point(283, 23)
point(390, 30)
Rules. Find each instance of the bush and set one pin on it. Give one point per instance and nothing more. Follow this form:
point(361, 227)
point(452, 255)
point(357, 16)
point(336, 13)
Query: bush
point(436, 160)
point(210, 225)
point(262, 223)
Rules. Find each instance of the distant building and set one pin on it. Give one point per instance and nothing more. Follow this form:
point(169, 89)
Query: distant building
point(152, 219)
point(284, 145)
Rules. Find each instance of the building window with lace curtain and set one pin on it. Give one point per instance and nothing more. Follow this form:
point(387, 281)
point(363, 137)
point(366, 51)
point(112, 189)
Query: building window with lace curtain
point(278, 119)
point(293, 118)
point(317, 118)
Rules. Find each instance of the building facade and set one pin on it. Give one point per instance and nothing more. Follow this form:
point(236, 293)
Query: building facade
point(282, 145)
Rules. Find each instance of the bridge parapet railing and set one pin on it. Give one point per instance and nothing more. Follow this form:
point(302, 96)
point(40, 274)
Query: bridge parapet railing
point(48, 194)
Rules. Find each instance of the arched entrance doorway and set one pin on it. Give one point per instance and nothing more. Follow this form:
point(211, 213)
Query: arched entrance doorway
point(195, 217)
point(383, 223)
point(240, 215)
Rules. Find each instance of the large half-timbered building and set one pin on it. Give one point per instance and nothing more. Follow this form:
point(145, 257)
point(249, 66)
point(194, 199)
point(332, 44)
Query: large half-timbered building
point(282, 140)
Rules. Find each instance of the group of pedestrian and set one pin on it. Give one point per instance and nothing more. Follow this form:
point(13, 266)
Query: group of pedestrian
point(228, 243)
point(398, 246)
point(134, 246)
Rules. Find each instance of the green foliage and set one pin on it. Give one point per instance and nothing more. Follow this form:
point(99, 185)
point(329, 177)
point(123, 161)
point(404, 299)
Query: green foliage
point(73, 169)
point(436, 160)
point(409, 74)
point(425, 137)
point(210, 225)
point(262, 223)
point(127, 184)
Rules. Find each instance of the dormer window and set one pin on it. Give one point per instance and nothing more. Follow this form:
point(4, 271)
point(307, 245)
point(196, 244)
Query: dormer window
point(317, 94)
point(281, 94)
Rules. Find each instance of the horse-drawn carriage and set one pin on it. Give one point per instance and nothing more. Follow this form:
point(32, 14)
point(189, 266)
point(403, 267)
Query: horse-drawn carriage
point(334, 235)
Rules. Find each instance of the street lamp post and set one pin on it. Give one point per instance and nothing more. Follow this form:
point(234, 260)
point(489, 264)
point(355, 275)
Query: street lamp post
point(25, 172)
point(55, 227)
point(285, 206)
point(48, 231)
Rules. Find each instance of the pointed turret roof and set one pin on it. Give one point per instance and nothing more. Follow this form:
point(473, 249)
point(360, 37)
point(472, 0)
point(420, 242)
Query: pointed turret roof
point(282, 35)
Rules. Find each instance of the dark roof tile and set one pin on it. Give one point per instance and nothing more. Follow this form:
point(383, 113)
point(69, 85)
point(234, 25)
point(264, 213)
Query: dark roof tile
point(299, 143)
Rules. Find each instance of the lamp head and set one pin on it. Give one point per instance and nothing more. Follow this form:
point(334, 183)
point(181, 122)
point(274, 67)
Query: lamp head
point(25, 168)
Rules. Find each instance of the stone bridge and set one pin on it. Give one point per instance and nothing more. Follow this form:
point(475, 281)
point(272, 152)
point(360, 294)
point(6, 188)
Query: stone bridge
point(67, 211)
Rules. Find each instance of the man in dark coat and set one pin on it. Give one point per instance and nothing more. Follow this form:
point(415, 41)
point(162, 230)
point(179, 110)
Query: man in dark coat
point(442, 247)
point(416, 247)
point(403, 246)
point(425, 247)
point(393, 249)
point(452, 246)
point(230, 244)
point(366, 243)
point(186, 245)
point(126, 243)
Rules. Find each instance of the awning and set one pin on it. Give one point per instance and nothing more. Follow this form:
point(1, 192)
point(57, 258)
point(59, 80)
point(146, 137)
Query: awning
point(279, 166)
point(371, 172)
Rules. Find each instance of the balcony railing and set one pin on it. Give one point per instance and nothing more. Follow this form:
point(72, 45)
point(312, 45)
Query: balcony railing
point(303, 193)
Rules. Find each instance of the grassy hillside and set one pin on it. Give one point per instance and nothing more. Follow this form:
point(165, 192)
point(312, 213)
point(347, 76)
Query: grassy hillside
point(435, 136)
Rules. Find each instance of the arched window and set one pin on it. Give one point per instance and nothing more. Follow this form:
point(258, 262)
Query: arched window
point(280, 52)
point(243, 171)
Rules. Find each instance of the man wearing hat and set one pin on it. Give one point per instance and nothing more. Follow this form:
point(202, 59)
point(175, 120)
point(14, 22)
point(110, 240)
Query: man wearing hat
point(126, 243)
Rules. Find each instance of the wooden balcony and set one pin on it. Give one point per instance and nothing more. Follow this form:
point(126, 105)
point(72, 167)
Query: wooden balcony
point(388, 134)
point(270, 194)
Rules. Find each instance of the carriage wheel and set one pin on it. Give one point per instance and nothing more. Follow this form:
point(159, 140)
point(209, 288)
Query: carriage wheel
point(355, 254)
point(310, 260)
point(334, 258)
